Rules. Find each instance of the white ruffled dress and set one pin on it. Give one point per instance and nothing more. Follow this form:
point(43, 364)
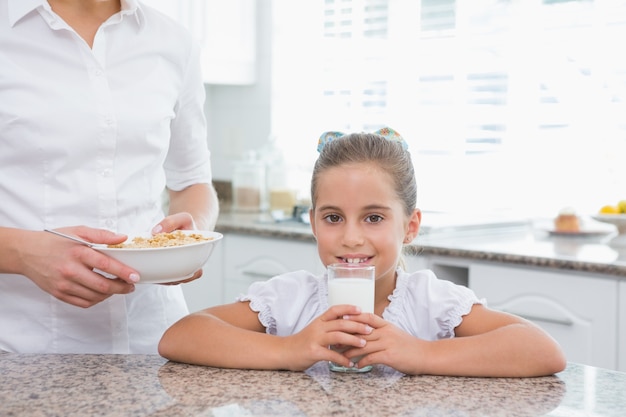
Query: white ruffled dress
point(421, 304)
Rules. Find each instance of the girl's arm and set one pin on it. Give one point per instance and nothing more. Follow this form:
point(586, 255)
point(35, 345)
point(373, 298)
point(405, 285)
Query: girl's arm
point(228, 336)
point(492, 343)
point(488, 343)
point(231, 336)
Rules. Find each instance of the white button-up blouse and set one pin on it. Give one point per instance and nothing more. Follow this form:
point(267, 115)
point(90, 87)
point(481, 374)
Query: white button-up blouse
point(92, 136)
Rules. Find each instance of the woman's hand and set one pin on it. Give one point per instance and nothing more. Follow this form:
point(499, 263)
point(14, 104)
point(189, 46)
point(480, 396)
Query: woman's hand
point(194, 207)
point(65, 269)
point(178, 221)
point(311, 345)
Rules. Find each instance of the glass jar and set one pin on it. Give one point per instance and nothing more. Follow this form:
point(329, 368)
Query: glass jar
point(281, 196)
point(249, 184)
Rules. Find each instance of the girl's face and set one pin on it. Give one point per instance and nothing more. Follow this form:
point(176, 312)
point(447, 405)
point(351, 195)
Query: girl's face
point(359, 218)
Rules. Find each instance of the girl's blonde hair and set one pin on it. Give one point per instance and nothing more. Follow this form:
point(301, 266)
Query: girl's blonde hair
point(370, 147)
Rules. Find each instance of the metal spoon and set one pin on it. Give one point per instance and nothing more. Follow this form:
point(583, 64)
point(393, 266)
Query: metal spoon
point(74, 238)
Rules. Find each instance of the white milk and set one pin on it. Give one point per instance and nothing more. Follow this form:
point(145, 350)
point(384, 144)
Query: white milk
point(355, 291)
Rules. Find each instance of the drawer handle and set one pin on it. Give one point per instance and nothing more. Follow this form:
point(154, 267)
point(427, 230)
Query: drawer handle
point(563, 322)
point(256, 274)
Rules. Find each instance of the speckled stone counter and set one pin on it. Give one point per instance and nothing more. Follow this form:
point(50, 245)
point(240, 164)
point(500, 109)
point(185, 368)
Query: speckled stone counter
point(527, 246)
point(148, 385)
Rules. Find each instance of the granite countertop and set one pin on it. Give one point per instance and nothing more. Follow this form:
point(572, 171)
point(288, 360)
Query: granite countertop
point(148, 385)
point(529, 245)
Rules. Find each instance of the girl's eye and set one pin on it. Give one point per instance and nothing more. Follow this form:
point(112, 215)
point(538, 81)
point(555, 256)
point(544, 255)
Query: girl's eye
point(374, 218)
point(333, 218)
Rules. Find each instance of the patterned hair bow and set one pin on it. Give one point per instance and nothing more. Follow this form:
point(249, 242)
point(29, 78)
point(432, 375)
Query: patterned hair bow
point(386, 132)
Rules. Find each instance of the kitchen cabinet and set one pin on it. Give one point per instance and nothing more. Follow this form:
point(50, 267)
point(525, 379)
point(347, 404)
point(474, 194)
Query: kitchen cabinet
point(248, 259)
point(239, 260)
point(415, 262)
point(226, 31)
point(207, 290)
point(451, 269)
point(621, 344)
point(580, 312)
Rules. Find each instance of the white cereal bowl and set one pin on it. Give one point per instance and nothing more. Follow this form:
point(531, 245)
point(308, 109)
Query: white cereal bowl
point(166, 264)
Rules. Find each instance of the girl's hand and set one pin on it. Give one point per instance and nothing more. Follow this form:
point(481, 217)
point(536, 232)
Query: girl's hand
point(312, 343)
point(389, 345)
point(65, 269)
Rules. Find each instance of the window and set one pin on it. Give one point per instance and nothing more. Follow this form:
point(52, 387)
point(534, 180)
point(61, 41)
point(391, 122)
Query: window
point(511, 106)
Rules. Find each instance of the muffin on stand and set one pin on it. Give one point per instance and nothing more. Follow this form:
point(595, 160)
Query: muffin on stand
point(567, 221)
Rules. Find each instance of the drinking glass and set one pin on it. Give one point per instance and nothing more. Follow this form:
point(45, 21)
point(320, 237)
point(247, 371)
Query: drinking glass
point(351, 284)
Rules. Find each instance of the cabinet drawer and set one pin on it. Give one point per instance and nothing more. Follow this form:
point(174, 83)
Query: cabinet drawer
point(249, 259)
point(579, 312)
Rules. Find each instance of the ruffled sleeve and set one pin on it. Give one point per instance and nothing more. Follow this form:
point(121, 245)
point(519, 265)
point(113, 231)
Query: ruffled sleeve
point(287, 303)
point(428, 307)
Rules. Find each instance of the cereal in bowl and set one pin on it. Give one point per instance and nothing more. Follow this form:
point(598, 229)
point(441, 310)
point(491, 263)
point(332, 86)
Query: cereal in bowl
point(162, 240)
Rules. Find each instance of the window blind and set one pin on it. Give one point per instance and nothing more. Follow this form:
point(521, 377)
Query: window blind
point(507, 105)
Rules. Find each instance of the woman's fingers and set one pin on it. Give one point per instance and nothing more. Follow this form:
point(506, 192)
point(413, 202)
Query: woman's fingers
point(178, 221)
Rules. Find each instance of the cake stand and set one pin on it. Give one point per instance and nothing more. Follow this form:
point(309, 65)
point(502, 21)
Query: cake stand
point(619, 221)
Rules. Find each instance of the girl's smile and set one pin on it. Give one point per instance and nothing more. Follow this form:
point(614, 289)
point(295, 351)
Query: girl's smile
point(355, 260)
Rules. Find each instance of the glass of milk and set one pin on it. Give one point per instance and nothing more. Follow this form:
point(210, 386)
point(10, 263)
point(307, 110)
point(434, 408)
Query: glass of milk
point(351, 284)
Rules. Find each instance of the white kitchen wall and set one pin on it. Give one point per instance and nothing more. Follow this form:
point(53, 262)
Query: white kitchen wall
point(239, 115)
point(237, 104)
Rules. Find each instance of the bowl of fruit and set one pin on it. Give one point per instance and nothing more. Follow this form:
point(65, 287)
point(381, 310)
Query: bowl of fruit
point(615, 215)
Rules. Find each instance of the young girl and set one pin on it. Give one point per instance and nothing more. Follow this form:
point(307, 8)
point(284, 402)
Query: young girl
point(363, 195)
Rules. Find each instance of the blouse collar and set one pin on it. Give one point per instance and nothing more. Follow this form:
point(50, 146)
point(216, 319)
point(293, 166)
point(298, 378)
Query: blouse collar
point(20, 8)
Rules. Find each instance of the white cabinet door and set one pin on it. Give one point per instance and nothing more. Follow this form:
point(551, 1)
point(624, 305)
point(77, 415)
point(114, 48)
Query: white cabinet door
point(248, 259)
point(207, 290)
point(226, 31)
point(414, 263)
point(451, 269)
point(621, 344)
point(580, 312)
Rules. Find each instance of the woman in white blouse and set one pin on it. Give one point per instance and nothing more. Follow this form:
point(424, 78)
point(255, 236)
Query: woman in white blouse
point(101, 109)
